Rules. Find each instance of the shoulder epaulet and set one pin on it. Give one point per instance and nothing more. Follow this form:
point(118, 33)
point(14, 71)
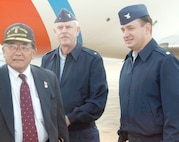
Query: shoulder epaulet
point(90, 51)
point(162, 51)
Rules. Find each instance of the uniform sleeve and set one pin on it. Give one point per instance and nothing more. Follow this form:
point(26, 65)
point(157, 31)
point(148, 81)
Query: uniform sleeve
point(94, 105)
point(169, 85)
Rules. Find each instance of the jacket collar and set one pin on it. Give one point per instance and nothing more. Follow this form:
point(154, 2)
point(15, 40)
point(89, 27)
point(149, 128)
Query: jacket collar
point(146, 51)
point(74, 53)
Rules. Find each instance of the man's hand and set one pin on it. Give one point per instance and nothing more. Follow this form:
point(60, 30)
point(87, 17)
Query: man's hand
point(67, 121)
point(61, 140)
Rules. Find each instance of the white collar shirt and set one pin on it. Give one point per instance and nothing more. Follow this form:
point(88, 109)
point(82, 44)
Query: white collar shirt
point(15, 90)
point(62, 62)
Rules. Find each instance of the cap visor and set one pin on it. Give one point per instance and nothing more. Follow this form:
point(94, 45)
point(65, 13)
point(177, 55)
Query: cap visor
point(18, 39)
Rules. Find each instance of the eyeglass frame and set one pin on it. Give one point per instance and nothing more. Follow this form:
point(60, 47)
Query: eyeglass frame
point(25, 47)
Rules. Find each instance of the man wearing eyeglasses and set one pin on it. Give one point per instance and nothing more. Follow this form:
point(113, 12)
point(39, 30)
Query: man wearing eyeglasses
point(19, 79)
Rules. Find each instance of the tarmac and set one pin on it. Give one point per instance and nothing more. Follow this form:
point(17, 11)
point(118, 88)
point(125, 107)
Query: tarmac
point(109, 122)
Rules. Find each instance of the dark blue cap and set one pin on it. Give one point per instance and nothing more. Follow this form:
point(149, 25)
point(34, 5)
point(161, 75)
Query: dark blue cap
point(65, 16)
point(130, 13)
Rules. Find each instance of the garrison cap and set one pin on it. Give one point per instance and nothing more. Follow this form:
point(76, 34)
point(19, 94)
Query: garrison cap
point(132, 12)
point(19, 32)
point(65, 16)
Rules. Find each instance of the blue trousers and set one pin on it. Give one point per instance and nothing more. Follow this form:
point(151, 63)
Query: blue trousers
point(85, 135)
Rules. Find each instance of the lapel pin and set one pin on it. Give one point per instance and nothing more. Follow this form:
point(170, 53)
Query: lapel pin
point(45, 84)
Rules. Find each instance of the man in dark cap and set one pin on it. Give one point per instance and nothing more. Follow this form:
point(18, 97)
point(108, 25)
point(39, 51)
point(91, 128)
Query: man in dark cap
point(82, 78)
point(148, 85)
point(31, 108)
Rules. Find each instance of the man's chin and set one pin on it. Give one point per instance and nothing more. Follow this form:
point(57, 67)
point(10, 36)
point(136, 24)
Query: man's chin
point(65, 44)
point(129, 46)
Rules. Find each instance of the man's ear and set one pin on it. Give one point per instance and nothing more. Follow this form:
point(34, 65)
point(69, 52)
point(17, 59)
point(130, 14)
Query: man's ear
point(34, 52)
point(78, 30)
point(148, 27)
point(54, 30)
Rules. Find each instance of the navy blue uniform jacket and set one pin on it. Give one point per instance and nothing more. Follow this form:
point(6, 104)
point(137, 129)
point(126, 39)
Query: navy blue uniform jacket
point(149, 93)
point(83, 83)
point(51, 105)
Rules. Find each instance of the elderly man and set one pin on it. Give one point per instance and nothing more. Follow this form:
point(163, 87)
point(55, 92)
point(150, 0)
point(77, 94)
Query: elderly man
point(31, 108)
point(82, 78)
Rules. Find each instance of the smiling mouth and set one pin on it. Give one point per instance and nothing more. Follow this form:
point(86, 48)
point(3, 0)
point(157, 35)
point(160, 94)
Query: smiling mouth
point(128, 41)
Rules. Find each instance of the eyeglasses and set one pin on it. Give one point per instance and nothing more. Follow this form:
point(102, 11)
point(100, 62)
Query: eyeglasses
point(21, 47)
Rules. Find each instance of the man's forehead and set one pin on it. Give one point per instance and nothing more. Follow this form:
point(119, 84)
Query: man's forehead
point(65, 23)
point(132, 23)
